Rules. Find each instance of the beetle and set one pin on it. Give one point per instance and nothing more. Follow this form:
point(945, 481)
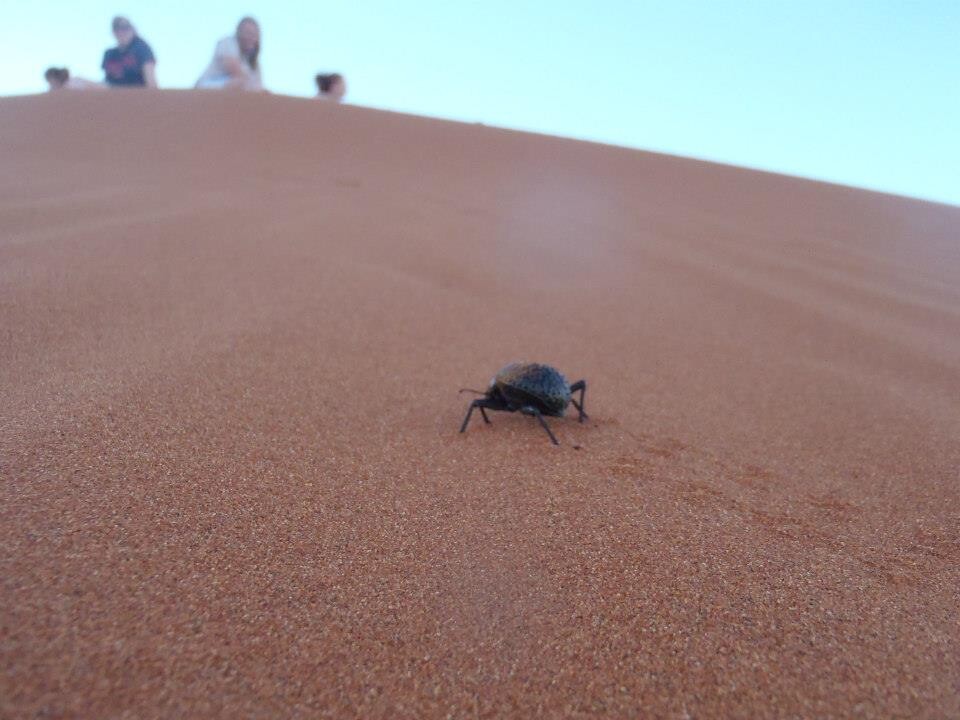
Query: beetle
point(530, 388)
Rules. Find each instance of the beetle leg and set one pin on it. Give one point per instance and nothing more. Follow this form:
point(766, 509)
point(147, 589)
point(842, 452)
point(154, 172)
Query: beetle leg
point(466, 420)
point(580, 385)
point(481, 403)
point(528, 410)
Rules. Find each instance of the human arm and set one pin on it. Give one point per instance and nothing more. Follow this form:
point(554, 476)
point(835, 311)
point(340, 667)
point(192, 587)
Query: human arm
point(228, 58)
point(236, 71)
point(84, 84)
point(105, 66)
point(150, 74)
point(147, 61)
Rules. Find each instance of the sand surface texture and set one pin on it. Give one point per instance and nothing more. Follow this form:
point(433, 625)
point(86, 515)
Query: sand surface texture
point(232, 331)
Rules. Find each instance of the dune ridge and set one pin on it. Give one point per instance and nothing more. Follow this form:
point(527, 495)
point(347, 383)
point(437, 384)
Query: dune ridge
point(232, 330)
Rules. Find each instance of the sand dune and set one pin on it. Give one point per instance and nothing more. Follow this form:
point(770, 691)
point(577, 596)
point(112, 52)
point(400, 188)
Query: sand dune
point(232, 331)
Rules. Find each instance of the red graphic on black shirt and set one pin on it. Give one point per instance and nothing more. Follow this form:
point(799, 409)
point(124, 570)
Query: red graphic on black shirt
point(115, 66)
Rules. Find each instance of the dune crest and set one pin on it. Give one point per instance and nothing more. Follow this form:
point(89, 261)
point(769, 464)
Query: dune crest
point(232, 331)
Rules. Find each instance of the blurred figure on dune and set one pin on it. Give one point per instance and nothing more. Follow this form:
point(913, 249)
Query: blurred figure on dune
point(236, 60)
point(331, 87)
point(131, 63)
point(59, 79)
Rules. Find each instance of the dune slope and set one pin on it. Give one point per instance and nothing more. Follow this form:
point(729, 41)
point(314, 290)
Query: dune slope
point(232, 331)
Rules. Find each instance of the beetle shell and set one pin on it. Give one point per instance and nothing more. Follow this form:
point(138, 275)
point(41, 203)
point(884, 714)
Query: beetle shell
point(540, 386)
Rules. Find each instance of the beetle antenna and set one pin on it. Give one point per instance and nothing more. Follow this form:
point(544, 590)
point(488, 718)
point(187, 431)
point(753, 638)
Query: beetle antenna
point(475, 392)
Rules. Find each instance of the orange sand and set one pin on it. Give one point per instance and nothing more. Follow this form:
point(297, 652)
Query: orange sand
point(232, 330)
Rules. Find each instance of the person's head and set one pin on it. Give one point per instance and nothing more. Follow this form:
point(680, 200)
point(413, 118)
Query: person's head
point(123, 31)
point(248, 38)
point(332, 86)
point(56, 77)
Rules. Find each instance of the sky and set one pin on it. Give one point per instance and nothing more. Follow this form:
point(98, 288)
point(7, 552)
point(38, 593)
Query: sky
point(863, 93)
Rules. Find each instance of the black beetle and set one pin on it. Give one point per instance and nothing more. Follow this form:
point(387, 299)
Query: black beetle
point(531, 388)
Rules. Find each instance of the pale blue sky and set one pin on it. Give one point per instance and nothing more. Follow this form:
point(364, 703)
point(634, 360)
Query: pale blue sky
point(854, 91)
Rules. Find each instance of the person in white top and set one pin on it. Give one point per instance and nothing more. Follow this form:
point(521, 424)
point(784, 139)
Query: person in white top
point(236, 60)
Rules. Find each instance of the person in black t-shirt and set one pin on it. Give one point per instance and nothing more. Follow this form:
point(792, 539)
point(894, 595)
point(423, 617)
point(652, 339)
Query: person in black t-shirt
point(131, 63)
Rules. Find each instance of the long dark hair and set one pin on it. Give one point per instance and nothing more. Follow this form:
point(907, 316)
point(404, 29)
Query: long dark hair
point(252, 57)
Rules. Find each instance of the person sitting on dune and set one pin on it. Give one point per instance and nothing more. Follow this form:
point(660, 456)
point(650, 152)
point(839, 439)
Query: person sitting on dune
point(59, 79)
point(331, 87)
point(131, 63)
point(236, 60)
